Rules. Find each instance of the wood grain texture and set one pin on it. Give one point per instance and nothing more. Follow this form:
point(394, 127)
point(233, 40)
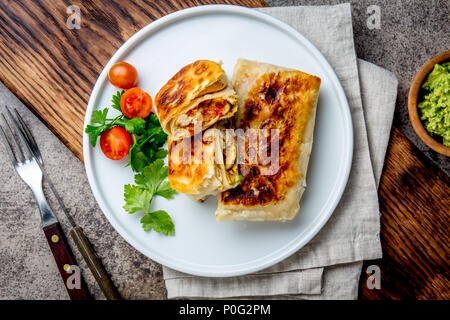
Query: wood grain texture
point(53, 69)
point(415, 223)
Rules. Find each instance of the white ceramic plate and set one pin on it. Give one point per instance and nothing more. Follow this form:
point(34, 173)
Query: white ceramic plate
point(201, 245)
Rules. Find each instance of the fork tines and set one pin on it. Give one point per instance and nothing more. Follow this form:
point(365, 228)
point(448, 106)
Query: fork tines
point(17, 151)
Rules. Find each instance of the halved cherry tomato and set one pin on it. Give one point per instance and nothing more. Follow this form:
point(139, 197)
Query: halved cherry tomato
point(220, 108)
point(115, 143)
point(135, 102)
point(123, 75)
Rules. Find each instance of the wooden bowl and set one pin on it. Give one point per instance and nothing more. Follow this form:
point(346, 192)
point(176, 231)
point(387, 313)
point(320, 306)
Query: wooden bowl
point(413, 100)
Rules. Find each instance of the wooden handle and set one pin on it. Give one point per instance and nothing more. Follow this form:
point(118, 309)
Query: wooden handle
point(69, 270)
point(94, 264)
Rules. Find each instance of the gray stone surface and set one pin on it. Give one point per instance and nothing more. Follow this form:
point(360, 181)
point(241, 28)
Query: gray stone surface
point(27, 268)
point(412, 32)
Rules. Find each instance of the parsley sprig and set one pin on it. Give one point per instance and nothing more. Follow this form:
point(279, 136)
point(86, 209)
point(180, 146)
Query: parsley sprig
point(138, 197)
point(102, 123)
point(145, 158)
point(148, 136)
point(147, 147)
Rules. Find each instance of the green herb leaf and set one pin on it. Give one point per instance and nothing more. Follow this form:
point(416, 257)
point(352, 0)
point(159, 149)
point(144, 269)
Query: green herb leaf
point(137, 158)
point(98, 117)
point(161, 153)
point(154, 135)
point(164, 190)
point(139, 197)
point(116, 100)
point(153, 120)
point(152, 176)
point(160, 221)
point(136, 198)
point(147, 148)
point(93, 132)
point(135, 125)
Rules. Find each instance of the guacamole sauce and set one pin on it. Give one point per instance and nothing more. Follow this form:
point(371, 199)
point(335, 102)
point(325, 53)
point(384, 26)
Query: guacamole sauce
point(434, 109)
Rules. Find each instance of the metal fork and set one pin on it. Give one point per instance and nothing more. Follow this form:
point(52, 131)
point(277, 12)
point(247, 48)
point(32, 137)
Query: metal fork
point(76, 232)
point(29, 170)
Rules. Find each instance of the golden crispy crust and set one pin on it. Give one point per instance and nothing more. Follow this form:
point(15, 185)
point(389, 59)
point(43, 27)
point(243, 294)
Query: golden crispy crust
point(272, 98)
point(195, 79)
point(183, 124)
point(185, 175)
point(201, 172)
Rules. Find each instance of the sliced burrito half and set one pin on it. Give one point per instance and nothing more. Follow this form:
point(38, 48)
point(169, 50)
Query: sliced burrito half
point(280, 106)
point(204, 164)
point(194, 99)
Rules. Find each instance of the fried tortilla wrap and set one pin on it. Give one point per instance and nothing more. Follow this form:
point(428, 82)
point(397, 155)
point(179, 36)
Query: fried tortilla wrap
point(204, 164)
point(272, 99)
point(194, 99)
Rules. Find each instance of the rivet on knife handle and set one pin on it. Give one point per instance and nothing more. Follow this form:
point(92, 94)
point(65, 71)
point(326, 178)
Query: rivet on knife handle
point(64, 260)
point(94, 264)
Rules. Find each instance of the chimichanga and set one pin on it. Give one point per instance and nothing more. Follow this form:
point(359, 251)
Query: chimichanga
point(194, 99)
point(204, 164)
point(272, 97)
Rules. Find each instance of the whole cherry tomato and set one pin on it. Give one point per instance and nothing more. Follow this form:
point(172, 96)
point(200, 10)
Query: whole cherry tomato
point(123, 75)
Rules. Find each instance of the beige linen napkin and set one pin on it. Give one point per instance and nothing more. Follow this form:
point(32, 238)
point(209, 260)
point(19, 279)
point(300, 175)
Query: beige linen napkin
point(329, 266)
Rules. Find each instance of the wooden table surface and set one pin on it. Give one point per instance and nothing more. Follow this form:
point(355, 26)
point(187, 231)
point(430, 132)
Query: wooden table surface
point(53, 69)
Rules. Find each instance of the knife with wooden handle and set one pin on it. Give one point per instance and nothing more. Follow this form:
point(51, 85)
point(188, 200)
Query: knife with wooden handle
point(53, 230)
point(67, 267)
point(88, 253)
point(94, 264)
